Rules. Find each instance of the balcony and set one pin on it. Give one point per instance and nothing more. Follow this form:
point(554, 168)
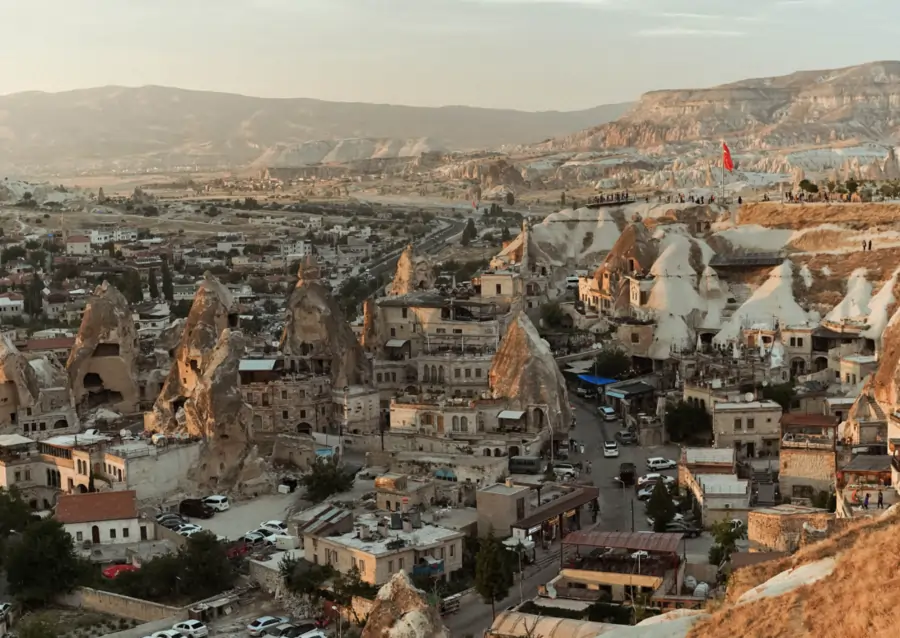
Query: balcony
point(807, 442)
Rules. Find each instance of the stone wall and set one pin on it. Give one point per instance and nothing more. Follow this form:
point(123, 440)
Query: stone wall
point(806, 467)
point(781, 528)
point(122, 606)
point(155, 476)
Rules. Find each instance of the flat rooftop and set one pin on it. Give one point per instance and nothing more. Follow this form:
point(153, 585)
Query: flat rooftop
point(72, 440)
point(749, 405)
point(419, 538)
point(501, 488)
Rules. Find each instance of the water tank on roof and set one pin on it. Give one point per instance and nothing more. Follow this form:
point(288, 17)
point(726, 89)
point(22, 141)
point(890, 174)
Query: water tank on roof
point(396, 520)
point(690, 583)
point(701, 591)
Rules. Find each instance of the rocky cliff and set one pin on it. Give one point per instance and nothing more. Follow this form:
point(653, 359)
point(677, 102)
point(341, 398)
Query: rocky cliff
point(525, 372)
point(18, 381)
point(102, 363)
point(414, 272)
point(401, 611)
point(316, 328)
point(808, 107)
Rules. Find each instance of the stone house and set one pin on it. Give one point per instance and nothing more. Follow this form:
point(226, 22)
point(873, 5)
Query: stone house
point(752, 428)
point(103, 518)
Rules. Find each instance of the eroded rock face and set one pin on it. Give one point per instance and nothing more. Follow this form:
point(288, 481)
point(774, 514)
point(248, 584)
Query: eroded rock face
point(885, 383)
point(401, 611)
point(414, 272)
point(102, 364)
point(19, 386)
point(211, 314)
point(525, 372)
point(315, 327)
point(217, 412)
point(369, 337)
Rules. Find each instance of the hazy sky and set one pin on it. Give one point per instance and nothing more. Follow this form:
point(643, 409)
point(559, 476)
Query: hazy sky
point(527, 54)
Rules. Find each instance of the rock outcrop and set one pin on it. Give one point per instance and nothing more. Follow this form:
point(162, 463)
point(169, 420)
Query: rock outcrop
point(315, 328)
point(19, 386)
point(102, 364)
point(414, 272)
point(525, 372)
point(216, 411)
point(401, 611)
point(210, 315)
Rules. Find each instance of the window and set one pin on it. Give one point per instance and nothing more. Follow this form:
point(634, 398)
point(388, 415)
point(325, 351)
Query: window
point(18, 477)
point(457, 331)
point(453, 547)
point(393, 332)
point(302, 414)
point(751, 424)
point(112, 534)
point(143, 532)
point(79, 536)
point(464, 424)
point(404, 312)
point(456, 424)
point(635, 338)
point(520, 514)
point(793, 342)
point(737, 424)
point(27, 475)
point(124, 532)
point(441, 331)
point(400, 563)
point(28, 411)
point(284, 394)
point(477, 373)
point(440, 555)
point(468, 373)
point(456, 373)
point(391, 566)
point(799, 342)
point(284, 414)
point(499, 289)
point(378, 377)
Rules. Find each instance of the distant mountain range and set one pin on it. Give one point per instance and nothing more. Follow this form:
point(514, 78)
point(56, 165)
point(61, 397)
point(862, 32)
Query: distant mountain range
point(809, 107)
point(153, 127)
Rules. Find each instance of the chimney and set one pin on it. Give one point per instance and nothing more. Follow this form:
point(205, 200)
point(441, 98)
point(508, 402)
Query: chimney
point(415, 519)
point(509, 482)
point(407, 525)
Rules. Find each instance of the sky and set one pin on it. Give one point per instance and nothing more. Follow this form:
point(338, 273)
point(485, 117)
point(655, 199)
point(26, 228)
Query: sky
point(523, 54)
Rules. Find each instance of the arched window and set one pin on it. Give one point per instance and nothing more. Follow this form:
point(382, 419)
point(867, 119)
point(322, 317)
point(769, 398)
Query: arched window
point(456, 424)
point(426, 376)
point(464, 424)
point(441, 374)
point(434, 375)
point(378, 377)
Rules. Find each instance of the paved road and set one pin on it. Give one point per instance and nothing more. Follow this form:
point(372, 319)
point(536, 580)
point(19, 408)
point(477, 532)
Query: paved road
point(615, 512)
point(429, 245)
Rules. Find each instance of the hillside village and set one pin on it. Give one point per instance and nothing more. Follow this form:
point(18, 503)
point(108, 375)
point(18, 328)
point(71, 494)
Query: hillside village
point(355, 417)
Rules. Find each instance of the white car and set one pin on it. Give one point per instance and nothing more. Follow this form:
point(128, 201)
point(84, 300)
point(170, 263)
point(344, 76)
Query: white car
point(190, 532)
point(258, 626)
point(167, 633)
point(187, 529)
point(218, 502)
point(610, 449)
point(565, 470)
point(645, 493)
point(278, 527)
point(659, 463)
point(607, 413)
point(678, 517)
point(253, 538)
point(266, 533)
point(193, 628)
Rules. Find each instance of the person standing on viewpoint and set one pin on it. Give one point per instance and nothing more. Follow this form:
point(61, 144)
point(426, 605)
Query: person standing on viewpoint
point(880, 500)
point(866, 502)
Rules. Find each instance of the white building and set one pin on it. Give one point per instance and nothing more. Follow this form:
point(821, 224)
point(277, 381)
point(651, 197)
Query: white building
point(78, 245)
point(751, 428)
point(103, 518)
point(299, 248)
point(106, 235)
point(11, 304)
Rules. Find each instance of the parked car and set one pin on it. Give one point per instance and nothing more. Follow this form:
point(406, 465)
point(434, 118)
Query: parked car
point(645, 493)
point(253, 539)
point(279, 527)
point(187, 527)
point(565, 470)
point(678, 517)
point(626, 437)
point(287, 630)
point(168, 633)
point(193, 628)
point(607, 413)
point(683, 527)
point(610, 449)
point(195, 508)
point(114, 570)
point(258, 626)
point(190, 532)
point(655, 478)
point(659, 463)
point(237, 550)
point(217, 502)
point(627, 472)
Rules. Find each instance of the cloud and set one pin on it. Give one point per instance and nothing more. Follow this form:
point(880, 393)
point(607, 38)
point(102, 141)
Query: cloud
point(706, 16)
point(683, 32)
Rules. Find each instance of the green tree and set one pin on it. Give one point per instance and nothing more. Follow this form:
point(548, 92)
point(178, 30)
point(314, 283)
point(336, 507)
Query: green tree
point(91, 487)
point(660, 507)
point(270, 307)
point(493, 572)
point(181, 309)
point(325, 478)
point(34, 297)
point(725, 537)
point(304, 579)
point(205, 568)
point(552, 315)
point(504, 234)
point(167, 289)
point(611, 363)
point(783, 394)
point(808, 186)
point(154, 287)
point(131, 286)
point(687, 423)
point(13, 253)
point(852, 185)
point(42, 564)
point(37, 626)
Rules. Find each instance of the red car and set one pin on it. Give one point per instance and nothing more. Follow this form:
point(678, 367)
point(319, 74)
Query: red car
point(237, 550)
point(114, 570)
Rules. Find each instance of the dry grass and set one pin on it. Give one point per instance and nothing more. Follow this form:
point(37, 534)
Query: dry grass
point(797, 216)
point(857, 600)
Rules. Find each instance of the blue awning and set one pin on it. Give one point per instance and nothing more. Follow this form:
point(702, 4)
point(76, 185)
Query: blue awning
point(589, 378)
point(443, 473)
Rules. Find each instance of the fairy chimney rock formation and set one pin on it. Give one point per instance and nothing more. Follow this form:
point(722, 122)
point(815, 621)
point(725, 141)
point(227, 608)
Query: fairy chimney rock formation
point(414, 272)
point(315, 328)
point(211, 314)
point(216, 411)
point(19, 386)
point(101, 365)
point(525, 372)
point(401, 611)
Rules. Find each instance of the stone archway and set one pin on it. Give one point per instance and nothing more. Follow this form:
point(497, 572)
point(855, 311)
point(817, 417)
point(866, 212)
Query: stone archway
point(820, 363)
point(513, 450)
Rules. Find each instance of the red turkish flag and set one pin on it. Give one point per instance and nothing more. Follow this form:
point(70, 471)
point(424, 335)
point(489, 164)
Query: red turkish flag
point(726, 158)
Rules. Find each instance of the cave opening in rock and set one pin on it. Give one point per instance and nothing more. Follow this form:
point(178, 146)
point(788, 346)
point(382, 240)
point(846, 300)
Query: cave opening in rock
point(97, 393)
point(195, 365)
point(106, 350)
point(178, 404)
point(232, 320)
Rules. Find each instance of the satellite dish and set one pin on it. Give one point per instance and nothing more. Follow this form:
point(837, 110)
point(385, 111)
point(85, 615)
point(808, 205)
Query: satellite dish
point(748, 397)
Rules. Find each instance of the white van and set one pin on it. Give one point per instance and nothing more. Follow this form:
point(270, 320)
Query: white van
point(217, 502)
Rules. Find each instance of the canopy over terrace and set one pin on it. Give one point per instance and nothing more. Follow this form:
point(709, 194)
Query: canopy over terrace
point(661, 543)
point(595, 381)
